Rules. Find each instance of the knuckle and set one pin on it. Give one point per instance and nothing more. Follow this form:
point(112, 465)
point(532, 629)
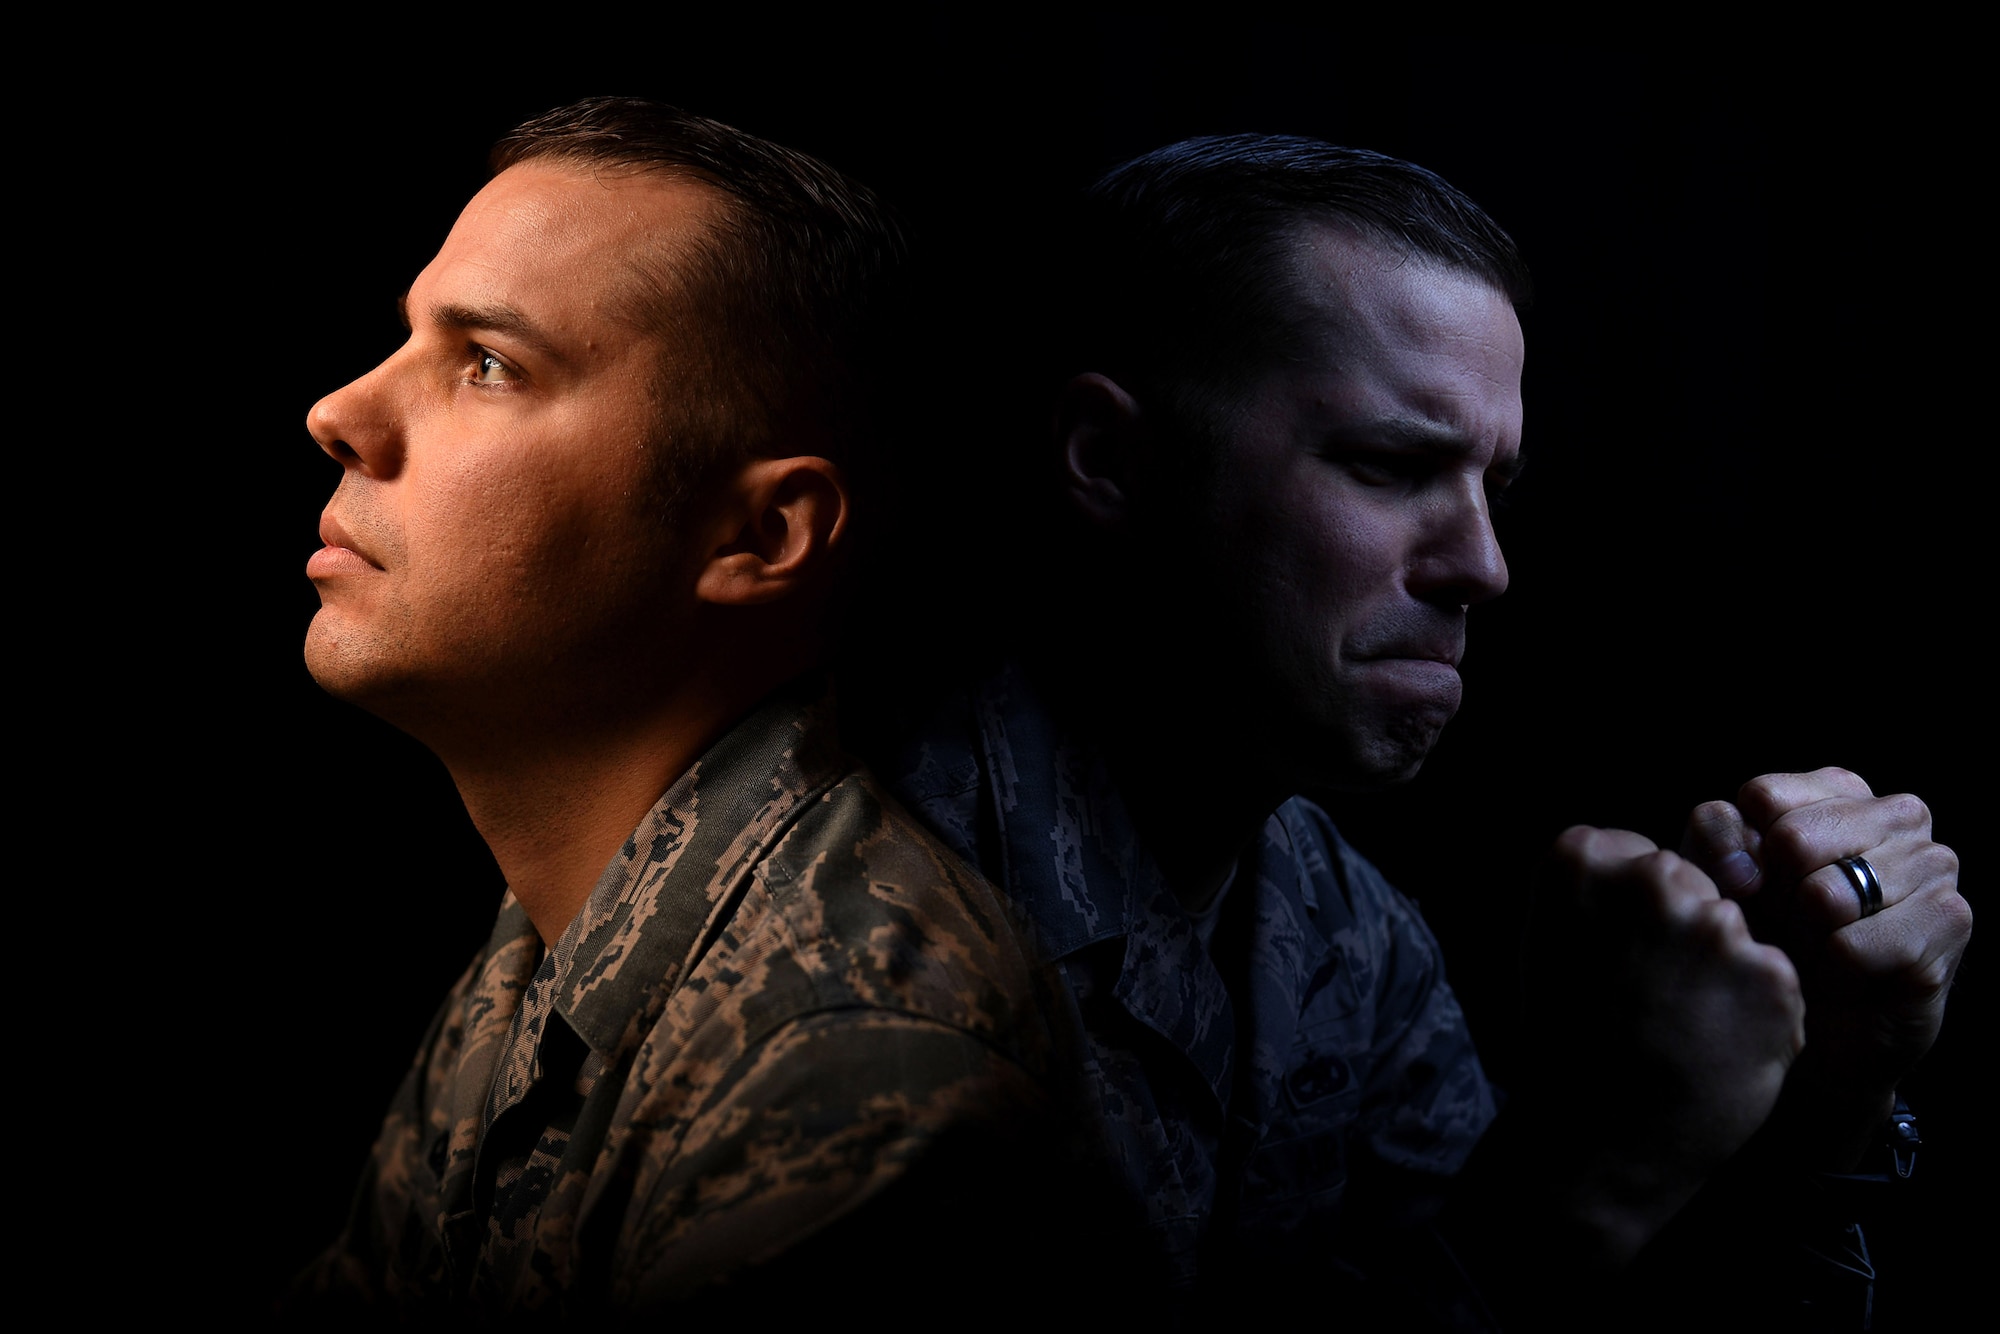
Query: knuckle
point(1789, 842)
point(1724, 914)
point(1668, 874)
point(1569, 856)
point(1906, 811)
point(1718, 923)
point(1955, 916)
point(1603, 851)
point(1575, 842)
point(1772, 969)
point(1940, 863)
point(1784, 983)
point(1759, 797)
point(1934, 975)
point(1659, 862)
point(1841, 780)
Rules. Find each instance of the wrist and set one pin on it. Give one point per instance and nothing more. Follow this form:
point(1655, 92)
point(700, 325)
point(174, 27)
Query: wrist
point(1893, 1154)
point(1548, 1179)
point(1823, 1125)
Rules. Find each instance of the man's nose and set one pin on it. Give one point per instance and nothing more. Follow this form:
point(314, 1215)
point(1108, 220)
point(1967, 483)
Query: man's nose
point(355, 427)
point(1461, 563)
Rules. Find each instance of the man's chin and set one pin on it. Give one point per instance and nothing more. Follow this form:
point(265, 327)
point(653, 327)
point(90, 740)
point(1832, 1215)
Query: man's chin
point(340, 661)
point(1384, 758)
point(1356, 780)
point(353, 669)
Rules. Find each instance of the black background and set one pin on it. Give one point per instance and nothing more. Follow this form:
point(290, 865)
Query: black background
point(1743, 543)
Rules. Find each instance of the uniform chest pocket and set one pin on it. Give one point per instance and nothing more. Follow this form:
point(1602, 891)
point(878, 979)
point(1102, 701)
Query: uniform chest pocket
point(1338, 991)
point(1319, 1077)
point(1299, 1168)
point(1301, 1159)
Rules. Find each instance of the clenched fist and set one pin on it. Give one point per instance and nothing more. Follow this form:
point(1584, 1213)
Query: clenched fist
point(1874, 979)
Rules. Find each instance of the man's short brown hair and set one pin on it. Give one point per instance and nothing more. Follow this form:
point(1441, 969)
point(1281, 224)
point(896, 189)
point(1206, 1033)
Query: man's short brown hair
point(798, 288)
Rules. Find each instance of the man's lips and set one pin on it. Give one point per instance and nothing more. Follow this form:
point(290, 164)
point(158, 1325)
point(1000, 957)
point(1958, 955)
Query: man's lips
point(1413, 634)
point(1417, 676)
point(341, 551)
point(1448, 654)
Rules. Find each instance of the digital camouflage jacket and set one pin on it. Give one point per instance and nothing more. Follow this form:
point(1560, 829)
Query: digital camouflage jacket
point(1288, 1102)
point(782, 998)
point(1248, 1123)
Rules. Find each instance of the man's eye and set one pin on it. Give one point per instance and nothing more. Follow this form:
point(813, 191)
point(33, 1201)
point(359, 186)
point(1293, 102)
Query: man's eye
point(1384, 469)
point(490, 369)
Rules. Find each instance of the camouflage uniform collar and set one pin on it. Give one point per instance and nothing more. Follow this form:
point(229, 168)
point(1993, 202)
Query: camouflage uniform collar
point(1071, 857)
point(652, 913)
point(1074, 864)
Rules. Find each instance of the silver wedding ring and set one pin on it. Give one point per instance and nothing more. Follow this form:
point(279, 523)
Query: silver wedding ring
point(1866, 884)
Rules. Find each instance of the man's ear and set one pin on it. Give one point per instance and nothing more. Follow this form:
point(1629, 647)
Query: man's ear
point(1104, 446)
point(787, 517)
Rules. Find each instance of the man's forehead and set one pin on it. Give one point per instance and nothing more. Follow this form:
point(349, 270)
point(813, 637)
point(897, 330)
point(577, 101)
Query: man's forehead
point(572, 204)
point(1401, 348)
point(1338, 274)
point(605, 242)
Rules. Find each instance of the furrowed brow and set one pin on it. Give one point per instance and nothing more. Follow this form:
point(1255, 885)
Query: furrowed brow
point(1421, 436)
point(1415, 434)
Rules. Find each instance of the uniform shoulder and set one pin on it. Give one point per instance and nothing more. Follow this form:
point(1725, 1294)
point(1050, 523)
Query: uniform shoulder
point(1330, 861)
point(884, 915)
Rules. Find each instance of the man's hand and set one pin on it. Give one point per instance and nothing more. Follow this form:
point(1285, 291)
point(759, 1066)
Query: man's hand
point(1674, 1029)
point(1874, 986)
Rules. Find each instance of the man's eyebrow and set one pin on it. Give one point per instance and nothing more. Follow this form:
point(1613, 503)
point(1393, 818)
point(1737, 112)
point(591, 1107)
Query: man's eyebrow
point(1412, 433)
point(1420, 435)
point(495, 319)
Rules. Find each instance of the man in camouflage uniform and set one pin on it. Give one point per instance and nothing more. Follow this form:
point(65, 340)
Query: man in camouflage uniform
point(1289, 390)
point(740, 1018)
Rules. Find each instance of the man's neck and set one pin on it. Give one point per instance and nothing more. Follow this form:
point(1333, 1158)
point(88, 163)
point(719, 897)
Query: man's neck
point(555, 803)
point(1193, 792)
point(1196, 831)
